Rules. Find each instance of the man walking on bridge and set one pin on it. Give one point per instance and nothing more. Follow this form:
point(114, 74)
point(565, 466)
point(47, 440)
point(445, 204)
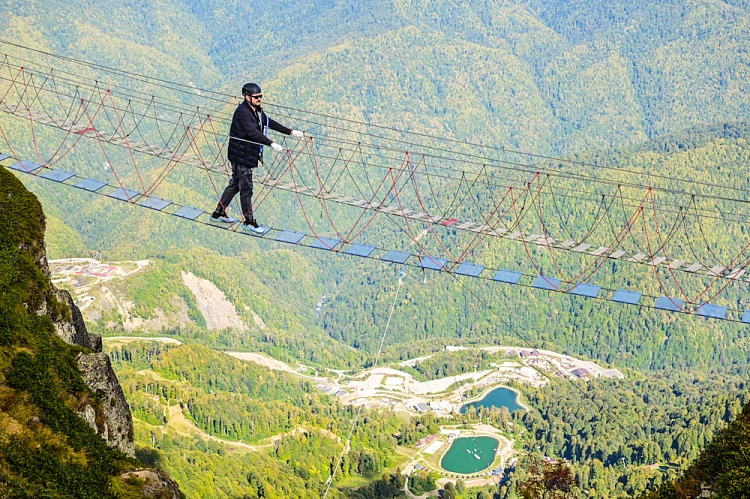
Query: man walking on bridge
point(248, 135)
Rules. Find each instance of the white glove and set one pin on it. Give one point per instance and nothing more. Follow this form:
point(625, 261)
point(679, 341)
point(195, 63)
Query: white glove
point(297, 134)
point(277, 147)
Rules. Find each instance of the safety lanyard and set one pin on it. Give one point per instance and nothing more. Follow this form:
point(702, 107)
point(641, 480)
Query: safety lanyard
point(263, 129)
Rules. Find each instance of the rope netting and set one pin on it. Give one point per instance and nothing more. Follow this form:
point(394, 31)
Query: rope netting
point(448, 199)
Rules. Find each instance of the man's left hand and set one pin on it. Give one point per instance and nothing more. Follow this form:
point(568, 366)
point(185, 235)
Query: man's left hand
point(297, 134)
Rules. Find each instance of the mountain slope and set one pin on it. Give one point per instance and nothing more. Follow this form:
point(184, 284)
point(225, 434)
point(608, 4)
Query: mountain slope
point(546, 77)
point(60, 403)
point(721, 470)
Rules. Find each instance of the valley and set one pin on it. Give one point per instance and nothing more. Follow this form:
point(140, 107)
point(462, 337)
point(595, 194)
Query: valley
point(509, 240)
point(165, 398)
point(396, 391)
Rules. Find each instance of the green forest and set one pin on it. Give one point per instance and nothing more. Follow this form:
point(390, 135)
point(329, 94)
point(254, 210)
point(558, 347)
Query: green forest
point(612, 101)
point(619, 436)
point(240, 401)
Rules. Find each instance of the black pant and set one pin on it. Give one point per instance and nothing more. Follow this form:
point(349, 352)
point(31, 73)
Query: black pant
point(242, 182)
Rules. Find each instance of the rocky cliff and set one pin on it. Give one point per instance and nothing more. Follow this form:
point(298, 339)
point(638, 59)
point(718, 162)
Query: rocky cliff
point(115, 424)
point(65, 426)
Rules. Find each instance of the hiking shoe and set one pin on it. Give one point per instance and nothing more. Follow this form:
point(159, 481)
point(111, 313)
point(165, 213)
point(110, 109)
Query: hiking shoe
point(252, 225)
point(222, 217)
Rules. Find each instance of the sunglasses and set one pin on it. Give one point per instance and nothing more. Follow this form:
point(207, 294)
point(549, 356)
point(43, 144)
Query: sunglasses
point(260, 96)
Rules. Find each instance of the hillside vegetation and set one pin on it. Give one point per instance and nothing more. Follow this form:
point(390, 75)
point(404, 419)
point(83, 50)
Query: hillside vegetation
point(721, 468)
point(46, 448)
point(241, 401)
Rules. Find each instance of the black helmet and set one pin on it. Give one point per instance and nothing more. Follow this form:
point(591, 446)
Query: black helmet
point(250, 89)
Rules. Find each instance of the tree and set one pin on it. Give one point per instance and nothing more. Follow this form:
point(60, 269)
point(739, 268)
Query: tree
point(548, 481)
point(460, 486)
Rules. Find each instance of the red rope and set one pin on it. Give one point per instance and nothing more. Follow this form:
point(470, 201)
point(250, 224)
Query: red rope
point(533, 263)
point(725, 286)
point(307, 219)
point(12, 83)
point(127, 142)
point(656, 273)
point(469, 248)
point(414, 238)
point(31, 122)
point(218, 145)
point(302, 207)
point(171, 164)
point(12, 152)
point(618, 240)
point(75, 143)
point(206, 167)
point(265, 190)
point(320, 190)
point(174, 153)
point(124, 190)
point(518, 224)
point(227, 173)
point(481, 236)
point(348, 238)
point(264, 193)
point(684, 295)
point(421, 204)
point(393, 188)
point(36, 147)
point(10, 147)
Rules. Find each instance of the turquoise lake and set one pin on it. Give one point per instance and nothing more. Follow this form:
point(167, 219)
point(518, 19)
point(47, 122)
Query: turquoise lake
point(470, 455)
point(499, 397)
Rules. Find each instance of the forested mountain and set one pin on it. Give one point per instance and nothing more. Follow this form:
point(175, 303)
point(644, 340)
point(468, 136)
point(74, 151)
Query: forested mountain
point(242, 402)
point(544, 76)
point(721, 468)
point(633, 423)
point(652, 91)
point(287, 328)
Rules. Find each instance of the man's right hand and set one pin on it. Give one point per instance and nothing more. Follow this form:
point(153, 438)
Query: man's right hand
point(277, 147)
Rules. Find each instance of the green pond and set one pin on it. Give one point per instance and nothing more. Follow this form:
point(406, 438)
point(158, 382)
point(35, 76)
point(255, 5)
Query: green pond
point(499, 397)
point(470, 455)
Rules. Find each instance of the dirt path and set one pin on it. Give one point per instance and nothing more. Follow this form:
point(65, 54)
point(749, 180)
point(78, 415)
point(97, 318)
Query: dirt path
point(128, 339)
point(183, 426)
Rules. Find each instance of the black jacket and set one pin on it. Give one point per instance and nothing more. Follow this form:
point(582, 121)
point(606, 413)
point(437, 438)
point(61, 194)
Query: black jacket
point(246, 135)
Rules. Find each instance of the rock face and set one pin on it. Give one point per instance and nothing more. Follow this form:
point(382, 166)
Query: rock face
point(116, 427)
point(74, 331)
point(216, 309)
point(158, 484)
